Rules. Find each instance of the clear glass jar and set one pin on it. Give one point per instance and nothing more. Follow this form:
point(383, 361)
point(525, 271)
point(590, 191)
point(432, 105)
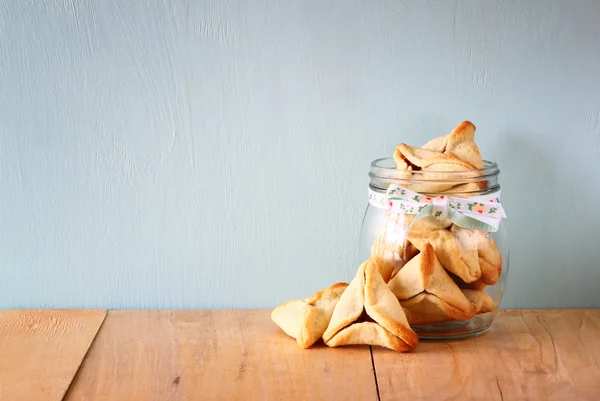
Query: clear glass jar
point(474, 259)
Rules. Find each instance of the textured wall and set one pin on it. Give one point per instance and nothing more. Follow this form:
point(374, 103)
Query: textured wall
point(202, 154)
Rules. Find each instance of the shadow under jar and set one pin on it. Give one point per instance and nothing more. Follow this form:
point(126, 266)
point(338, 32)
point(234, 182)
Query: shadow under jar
point(457, 293)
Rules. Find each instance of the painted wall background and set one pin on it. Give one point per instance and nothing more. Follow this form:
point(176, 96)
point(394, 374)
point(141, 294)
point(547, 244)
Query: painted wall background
point(197, 154)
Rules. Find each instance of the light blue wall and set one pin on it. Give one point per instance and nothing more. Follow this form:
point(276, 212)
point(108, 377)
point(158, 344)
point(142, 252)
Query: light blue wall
point(200, 154)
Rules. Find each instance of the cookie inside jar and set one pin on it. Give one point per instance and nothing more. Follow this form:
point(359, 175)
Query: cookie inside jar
point(439, 232)
point(433, 256)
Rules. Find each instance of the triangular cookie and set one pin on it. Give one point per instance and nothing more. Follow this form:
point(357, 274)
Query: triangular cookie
point(425, 159)
point(468, 244)
point(489, 257)
point(388, 249)
point(437, 165)
point(306, 320)
point(447, 251)
point(391, 256)
point(460, 143)
point(424, 274)
point(482, 301)
point(368, 313)
point(490, 261)
point(388, 255)
point(437, 144)
point(410, 251)
point(426, 308)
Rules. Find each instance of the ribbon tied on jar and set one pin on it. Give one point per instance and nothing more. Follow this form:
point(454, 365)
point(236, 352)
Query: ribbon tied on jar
point(482, 213)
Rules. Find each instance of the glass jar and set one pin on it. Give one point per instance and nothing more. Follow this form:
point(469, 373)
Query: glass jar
point(456, 216)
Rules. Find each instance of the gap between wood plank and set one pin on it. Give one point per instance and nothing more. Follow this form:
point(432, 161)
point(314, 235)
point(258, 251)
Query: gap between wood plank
point(84, 357)
point(374, 373)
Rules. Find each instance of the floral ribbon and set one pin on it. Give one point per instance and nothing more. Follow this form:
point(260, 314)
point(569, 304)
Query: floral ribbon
point(482, 213)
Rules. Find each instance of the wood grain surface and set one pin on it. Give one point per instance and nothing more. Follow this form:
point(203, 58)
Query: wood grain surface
point(235, 355)
point(41, 350)
point(526, 355)
point(215, 355)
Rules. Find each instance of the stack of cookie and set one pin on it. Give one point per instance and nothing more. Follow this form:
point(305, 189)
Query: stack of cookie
point(365, 312)
point(469, 259)
point(434, 273)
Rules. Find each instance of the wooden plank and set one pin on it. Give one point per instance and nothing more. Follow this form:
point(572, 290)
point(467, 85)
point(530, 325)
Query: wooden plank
point(41, 350)
point(536, 355)
point(214, 355)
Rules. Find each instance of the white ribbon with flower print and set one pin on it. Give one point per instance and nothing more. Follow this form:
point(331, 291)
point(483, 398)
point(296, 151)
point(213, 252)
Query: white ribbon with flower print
point(482, 213)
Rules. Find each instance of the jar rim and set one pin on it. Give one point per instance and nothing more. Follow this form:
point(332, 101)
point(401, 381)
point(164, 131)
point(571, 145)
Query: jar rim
point(384, 173)
point(385, 168)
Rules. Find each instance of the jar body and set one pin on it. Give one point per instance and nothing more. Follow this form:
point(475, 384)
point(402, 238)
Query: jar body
point(473, 263)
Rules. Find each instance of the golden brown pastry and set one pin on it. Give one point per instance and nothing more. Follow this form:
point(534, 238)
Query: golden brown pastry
point(388, 255)
point(468, 245)
point(368, 313)
point(477, 285)
point(426, 223)
point(488, 256)
point(424, 275)
point(426, 308)
point(421, 159)
point(448, 252)
point(436, 164)
point(467, 190)
point(490, 261)
point(460, 143)
point(437, 144)
point(410, 251)
point(482, 301)
point(388, 248)
point(306, 320)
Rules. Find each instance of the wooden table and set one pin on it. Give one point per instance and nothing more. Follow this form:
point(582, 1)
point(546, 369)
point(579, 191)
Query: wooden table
point(242, 355)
